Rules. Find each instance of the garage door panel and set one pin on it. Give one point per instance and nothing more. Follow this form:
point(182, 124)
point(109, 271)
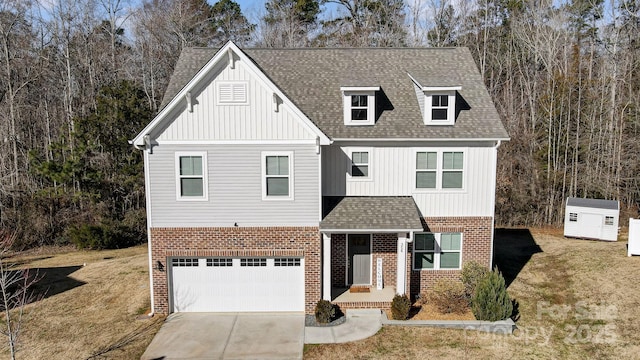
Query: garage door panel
point(239, 288)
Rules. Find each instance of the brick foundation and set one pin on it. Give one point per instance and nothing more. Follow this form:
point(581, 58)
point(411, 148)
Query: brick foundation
point(232, 242)
point(476, 245)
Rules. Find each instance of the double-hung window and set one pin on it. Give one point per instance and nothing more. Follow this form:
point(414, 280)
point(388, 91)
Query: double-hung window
point(359, 104)
point(360, 164)
point(439, 170)
point(277, 180)
point(359, 107)
point(437, 251)
point(439, 107)
point(191, 176)
point(452, 164)
point(426, 170)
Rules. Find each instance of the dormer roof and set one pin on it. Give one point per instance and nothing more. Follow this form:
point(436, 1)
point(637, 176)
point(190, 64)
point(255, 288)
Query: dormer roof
point(312, 79)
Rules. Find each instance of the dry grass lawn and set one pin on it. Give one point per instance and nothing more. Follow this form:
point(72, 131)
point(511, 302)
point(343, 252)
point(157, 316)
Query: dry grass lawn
point(88, 311)
point(578, 299)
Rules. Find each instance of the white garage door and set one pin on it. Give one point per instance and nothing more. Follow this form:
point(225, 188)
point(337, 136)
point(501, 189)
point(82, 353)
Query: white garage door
point(239, 284)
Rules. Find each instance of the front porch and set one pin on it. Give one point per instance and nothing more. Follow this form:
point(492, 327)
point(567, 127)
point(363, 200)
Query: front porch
point(365, 245)
point(374, 299)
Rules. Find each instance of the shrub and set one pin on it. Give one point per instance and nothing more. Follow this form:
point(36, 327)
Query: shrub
point(472, 273)
point(103, 236)
point(491, 301)
point(325, 311)
point(448, 296)
point(400, 306)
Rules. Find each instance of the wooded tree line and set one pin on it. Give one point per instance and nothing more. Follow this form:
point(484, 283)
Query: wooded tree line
point(80, 77)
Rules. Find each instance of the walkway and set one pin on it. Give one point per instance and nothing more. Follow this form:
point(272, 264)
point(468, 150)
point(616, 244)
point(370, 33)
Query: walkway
point(360, 324)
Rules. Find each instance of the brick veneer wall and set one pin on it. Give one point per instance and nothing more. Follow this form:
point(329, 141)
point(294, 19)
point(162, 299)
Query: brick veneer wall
point(234, 242)
point(476, 245)
point(385, 246)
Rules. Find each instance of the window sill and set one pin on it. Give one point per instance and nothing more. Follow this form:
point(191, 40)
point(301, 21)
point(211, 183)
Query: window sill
point(189, 199)
point(277, 198)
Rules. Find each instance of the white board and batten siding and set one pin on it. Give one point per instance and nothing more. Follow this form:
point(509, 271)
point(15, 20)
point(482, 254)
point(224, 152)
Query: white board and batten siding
point(255, 119)
point(591, 219)
point(234, 188)
point(393, 173)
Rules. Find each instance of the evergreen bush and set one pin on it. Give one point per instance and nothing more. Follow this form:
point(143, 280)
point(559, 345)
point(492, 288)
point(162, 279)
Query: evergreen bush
point(472, 273)
point(400, 306)
point(491, 301)
point(325, 312)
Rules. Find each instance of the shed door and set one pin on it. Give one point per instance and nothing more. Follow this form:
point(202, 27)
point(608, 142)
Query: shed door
point(236, 285)
point(591, 225)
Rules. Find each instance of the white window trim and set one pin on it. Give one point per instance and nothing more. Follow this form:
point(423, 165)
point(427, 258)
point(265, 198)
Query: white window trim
point(217, 90)
point(205, 180)
point(263, 176)
point(451, 107)
point(439, 170)
point(350, 152)
point(370, 92)
point(437, 251)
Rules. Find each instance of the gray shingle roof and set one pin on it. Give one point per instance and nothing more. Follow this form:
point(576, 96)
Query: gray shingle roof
point(593, 203)
point(312, 78)
point(373, 213)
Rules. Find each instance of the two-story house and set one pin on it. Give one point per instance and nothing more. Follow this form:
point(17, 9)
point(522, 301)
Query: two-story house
point(278, 177)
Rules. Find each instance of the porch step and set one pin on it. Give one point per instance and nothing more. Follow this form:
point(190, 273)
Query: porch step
point(346, 305)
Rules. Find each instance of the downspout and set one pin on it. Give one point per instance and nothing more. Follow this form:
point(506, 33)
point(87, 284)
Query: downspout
point(146, 150)
point(493, 205)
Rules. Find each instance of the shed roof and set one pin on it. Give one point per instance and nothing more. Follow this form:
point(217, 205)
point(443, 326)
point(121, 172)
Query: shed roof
point(593, 203)
point(397, 213)
point(311, 79)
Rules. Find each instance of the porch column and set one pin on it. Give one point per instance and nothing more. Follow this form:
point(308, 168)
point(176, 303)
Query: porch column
point(401, 268)
point(326, 266)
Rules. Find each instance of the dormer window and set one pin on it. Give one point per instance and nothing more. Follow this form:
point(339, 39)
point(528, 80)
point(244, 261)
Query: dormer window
point(359, 105)
point(440, 107)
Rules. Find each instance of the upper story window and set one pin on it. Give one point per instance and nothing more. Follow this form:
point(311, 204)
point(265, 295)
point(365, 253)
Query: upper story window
point(191, 176)
point(277, 169)
point(360, 164)
point(232, 92)
point(440, 170)
point(359, 105)
point(452, 163)
point(439, 107)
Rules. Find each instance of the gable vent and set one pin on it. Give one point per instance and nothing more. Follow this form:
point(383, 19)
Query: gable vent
point(232, 93)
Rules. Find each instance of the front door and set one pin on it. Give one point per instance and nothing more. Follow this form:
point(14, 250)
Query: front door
point(359, 259)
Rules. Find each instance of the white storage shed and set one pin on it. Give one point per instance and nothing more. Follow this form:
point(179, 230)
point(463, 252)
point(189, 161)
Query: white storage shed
point(591, 219)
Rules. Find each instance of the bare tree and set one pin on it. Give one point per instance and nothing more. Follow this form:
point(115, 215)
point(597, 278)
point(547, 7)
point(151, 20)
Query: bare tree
point(15, 290)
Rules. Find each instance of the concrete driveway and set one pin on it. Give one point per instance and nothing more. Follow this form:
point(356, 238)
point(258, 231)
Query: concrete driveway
point(229, 336)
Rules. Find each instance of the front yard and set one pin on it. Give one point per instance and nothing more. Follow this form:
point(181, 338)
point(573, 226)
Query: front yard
point(91, 301)
point(577, 299)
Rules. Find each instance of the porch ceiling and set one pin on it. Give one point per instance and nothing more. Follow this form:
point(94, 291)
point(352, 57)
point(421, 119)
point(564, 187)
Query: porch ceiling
point(382, 213)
